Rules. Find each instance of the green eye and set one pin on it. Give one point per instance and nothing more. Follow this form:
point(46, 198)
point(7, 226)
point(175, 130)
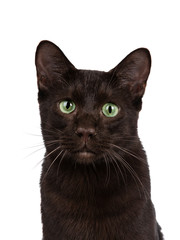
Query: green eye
point(110, 110)
point(67, 106)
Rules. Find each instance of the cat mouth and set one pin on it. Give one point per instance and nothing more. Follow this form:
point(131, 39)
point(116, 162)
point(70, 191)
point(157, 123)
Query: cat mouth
point(84, 154)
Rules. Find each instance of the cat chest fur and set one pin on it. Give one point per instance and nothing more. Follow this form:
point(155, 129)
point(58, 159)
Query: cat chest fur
point(92, 210)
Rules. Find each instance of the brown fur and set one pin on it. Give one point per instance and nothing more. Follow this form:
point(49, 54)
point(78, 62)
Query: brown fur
point(95, 182)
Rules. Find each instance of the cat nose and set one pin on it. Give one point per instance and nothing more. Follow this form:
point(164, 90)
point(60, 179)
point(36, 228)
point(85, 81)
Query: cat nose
point(85, 133)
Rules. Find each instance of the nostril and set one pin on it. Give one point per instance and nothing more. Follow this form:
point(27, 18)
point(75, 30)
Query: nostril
point(91, 132)
point(90, 135)
point(79, 134)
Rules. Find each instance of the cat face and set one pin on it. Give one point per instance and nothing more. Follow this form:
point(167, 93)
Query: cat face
point(86, 115)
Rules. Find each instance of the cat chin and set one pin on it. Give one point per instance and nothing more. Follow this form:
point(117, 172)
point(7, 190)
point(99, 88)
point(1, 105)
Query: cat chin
point(85, 157)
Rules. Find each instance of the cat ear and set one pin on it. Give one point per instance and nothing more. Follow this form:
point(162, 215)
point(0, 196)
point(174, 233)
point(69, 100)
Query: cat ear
point(133, 72)
point(51, 64)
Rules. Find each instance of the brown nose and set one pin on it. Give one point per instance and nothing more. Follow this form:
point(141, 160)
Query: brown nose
point(85, 133)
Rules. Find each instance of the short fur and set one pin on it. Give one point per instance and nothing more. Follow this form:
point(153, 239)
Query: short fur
point(95, 182)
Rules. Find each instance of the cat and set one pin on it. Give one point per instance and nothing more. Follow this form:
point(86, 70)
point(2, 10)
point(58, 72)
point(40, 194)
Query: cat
point(95, 182)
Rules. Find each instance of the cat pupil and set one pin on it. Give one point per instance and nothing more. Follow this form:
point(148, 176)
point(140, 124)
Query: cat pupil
point(68, 105)
point(110, 109)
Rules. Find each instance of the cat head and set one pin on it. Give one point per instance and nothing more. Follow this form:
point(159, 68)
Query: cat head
point(87, 114)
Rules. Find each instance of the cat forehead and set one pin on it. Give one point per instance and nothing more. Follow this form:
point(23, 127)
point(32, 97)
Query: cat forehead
point(87, 77)
point(89, 82)
point(89, 88)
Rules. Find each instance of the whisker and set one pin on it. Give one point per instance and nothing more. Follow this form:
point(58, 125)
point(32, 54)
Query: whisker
point(132, 154)
point(127, 140)
point(107, 170)
point(35, 146)
point(114, 161)
point(52, 152)
point(118, 167)
point(94, 167)
point(130, 169)
point(40, 147)
point(51, 164)
point(38, 163)
point(37, 150)
point(128, 152)
point(61, 161)
point(34, 135)
point(133, 174)
point(50, 129)
point(127, 136)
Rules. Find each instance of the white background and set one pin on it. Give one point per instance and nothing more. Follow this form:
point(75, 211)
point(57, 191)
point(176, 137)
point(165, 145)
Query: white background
point(93, 35)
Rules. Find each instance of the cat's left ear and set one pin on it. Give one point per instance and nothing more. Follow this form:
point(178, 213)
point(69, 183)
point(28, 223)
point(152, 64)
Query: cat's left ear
point(133, 72)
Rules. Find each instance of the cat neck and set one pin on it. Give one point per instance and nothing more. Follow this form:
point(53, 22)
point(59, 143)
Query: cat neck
point(82, 181)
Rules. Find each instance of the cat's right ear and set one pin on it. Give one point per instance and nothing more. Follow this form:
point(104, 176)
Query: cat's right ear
point(51, 64)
